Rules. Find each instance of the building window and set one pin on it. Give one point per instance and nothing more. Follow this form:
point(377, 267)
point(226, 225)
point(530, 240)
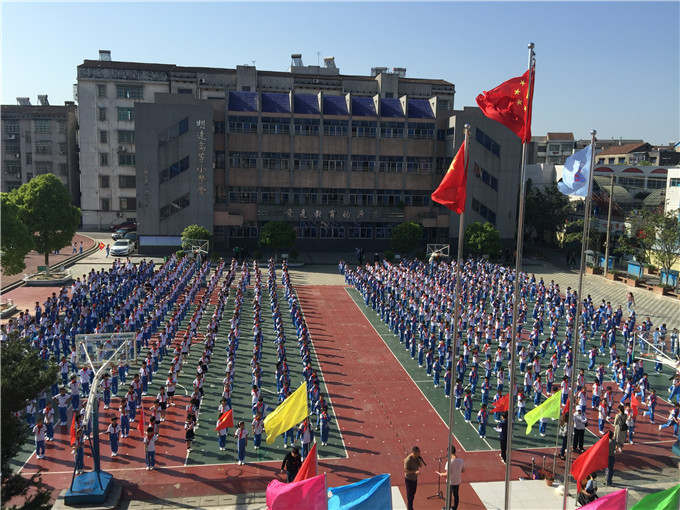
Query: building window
point(43, 147)
point(334, 162)
point(101, 91)
point(63, 169)
point(126, 136)
point(105, 204)
point(392, 130)
point(104, 158)
point(248, 232)
point(622, 161)
point(275, 126)
point(242, 124)
point(242, 159)
point(62, 148)
point(364, 129)
point(43, 167)
point(128, 203)
point(362, 163)
point(306, 127)
point(219, 126)
point(127, 181)
point(126, 113)
point(220, 160)
point(126, 159)
point(242, 195)
point(331, 230)
point(29, 158)
point(632, 182)
point(267, 196)
point(173, 132)
point(390, 164)
point(175, 169)
point(305, 161)
point(129, 92)
point(305, 196)
point(11, 126)
point(333, 127)
point(360, 197)
point(383, 232)
point(419, 165)
point(220, 194)
point(104, 181)
point(331, 197)
point(41, 126)
point(103, 136)
point(357, 231)
point(553, 147)
point(484, 211)
point(185, 91)
point(421, 131)
point(28, 137)
point(389, 197)
point(101, 113)
point(487, 142)
point(12, 168)
point(485, 177)
point(62, 127)
point(276, 160)
point(656, 182)
point(306, 230)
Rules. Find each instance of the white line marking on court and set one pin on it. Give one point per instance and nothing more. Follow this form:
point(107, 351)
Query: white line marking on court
point(185, 390)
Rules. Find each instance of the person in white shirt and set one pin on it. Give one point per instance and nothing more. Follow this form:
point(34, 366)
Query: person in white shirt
point(39, 432)
point(456, 466)
point(114, 433)
point(150, 448)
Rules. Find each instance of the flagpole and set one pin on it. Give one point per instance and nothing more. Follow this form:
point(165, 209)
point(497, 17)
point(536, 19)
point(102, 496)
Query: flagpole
point(515, 305)
point(456, 318)
point(577, 325)
point(609, 225)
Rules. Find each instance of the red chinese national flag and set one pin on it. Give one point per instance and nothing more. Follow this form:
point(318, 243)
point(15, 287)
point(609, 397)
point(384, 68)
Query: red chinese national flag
point(502, 404)
point(73, 429)
point(309, 466)
point(566, 407)
point(634, 403)
point(225, 421)
point(142, 423)
point(510, 104)
point(101, 246)
point(451, 192)
point(594, 458)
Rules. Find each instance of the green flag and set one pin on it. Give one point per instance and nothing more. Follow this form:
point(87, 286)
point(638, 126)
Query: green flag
point(548, 409)
point(664, 500)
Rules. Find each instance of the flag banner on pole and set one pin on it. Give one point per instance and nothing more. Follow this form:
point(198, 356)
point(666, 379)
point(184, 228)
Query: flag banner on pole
point(452, 190)
point(664, 500)
point(501, 404)
point(226, 420)
point(309, 494)
point(101, 246)
point(594, 458)
point(309, 466)
point(510, 104)
point(366, 494)
point(615, 501)
point(141, 426)
point(292, 411)
point(566, 407)
point(634, 404)
point(548, 409)
point(73, 429)
point(576, 173)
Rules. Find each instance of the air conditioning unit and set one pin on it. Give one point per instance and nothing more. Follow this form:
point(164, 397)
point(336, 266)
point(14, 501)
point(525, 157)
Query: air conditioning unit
point(17, 156)
point(122, 148)
point(11, 137)
point(201, 81)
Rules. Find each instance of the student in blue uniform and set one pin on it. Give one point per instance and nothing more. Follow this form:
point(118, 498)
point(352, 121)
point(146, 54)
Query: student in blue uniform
point(482, 419)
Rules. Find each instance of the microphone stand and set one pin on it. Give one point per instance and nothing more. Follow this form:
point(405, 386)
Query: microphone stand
point(440, 494)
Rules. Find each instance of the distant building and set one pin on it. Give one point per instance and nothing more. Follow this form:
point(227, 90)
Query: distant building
point(343, 158)
point(38, 140)
point(639, 153)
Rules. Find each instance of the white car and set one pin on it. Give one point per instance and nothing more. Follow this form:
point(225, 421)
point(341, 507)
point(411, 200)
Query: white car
point(123, 247)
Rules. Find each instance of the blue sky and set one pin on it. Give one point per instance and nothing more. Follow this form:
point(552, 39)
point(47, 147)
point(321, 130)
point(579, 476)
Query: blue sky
point(610, 66)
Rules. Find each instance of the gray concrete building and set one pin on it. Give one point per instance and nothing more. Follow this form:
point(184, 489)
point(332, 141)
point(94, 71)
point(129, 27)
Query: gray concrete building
point(37, 140)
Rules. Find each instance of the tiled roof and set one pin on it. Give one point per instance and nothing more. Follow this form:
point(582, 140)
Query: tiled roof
point(560, 136)
point(624, 149)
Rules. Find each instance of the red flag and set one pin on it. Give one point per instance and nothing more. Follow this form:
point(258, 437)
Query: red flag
point(309, 466)
point(594, 458)
point(566, 408)
point(73, 429)
point(141, 424)
point(452, 190)
point(510, 104)
point(502, 404)
point(634, 403)
point(225, 421)
point(101, 246)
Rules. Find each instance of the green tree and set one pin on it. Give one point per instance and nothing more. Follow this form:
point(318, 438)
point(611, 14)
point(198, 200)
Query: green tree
point(406, 236)
point(483, 239)
point(15, 239)
point(46, 210)
point(277, 235)
point(545, 212)
point(24, 375)
point(573, 236)
point(667, 239)
point(197, 232)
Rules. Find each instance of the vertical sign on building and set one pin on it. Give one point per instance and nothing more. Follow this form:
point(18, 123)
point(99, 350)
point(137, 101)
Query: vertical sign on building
point(200, 156)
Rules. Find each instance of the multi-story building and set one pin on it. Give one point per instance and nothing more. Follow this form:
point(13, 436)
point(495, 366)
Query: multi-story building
point(343, 158)
point(37, 140)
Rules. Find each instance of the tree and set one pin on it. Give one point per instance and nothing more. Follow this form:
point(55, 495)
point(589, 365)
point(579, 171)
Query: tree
point(24, 375)
point(545, 211)
point(667, 245)
point(15, 239)
point(277, 235)
point(573, 236)
point(483, 239)
point(46, 210)
point(196, 232)
point(406, 236)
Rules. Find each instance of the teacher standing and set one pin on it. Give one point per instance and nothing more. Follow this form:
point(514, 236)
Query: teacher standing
point(411, 472)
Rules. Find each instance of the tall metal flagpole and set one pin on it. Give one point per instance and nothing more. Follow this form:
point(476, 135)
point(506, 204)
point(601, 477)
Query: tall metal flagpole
point(456, 318)
point(574, 372)
point(609, 224)
point(515, 305)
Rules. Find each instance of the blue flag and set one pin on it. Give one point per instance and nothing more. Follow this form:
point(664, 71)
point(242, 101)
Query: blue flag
point(366, 494)
point(576, 173)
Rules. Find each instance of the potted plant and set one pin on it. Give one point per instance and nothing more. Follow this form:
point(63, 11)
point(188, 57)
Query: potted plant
point(591, 269)
point(549, 478)
point(662, 289)
point(652, 269)
point(633, 281)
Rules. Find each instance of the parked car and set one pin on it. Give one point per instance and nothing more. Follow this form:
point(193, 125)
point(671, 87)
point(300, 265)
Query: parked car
point(121, 232)
point(123, 224)
point(132, 236)
point(123, 247)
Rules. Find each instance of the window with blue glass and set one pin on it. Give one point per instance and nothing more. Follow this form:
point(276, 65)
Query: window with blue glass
point(487, 142)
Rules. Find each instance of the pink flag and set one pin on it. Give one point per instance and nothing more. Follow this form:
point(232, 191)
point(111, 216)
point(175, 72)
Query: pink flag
point(287, 496)
point(615, 501)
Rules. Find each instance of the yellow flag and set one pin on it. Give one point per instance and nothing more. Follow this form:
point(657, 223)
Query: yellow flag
point(548, 409)
point(292, 411)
